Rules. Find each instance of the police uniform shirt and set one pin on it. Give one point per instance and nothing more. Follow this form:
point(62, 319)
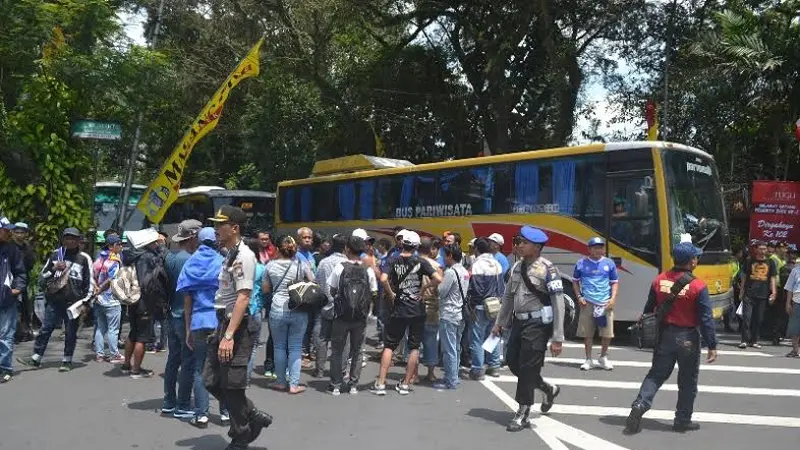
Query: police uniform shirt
point(546, 278)
point(235, 276)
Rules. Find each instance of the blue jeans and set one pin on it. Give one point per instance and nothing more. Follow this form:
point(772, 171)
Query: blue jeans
point(201, 397)
point(55, 313)
point(251, 364)
point(288, 328)
point(450, 340)
point(179, 357)
point(106, 326)
point(8, 327)
point(681, 345)
point(430, 345)
point(481, 330)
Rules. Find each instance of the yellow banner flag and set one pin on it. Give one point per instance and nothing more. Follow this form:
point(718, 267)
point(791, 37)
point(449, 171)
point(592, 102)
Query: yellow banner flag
point(163, 191)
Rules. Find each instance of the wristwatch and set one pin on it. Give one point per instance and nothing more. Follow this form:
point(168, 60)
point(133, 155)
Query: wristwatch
point(228, 336)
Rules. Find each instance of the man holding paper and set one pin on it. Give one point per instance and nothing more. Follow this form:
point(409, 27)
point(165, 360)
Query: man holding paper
point(533, 306)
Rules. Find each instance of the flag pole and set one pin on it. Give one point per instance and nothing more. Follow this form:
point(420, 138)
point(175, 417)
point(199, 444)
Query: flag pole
point(124, 216)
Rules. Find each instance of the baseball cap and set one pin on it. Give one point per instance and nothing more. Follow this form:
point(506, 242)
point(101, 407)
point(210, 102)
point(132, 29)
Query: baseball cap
point(362, 233)
point(207, 234)
point(21, 226)
point(113, 239)
point(5, 224)
point(684, 252)
point(410, 238)
point(231, 214)
point(532, 234)
point(498, 238)
point(595, 241)
point(187, 230)
point(71, 231)
point(400, 233)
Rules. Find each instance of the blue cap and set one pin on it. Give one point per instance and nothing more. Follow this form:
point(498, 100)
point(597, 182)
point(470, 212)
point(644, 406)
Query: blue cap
point(597, 240)
point(5, 224)
point(207, 234)
point(791, 248)
point(534, 235)
point(113, 239)
point(684, 252)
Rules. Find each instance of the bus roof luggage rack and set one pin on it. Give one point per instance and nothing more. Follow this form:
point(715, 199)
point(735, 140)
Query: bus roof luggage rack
point(356, 163)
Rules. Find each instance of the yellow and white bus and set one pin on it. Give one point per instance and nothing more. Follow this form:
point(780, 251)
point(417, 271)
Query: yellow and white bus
point(641, 196)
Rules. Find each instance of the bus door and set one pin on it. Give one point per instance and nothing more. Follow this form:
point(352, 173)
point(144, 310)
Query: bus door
point(632, 229)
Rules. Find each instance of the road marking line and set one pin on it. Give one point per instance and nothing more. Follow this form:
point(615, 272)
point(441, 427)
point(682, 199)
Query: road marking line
point(552, 430)
point(631, 385)
point(704, 367)
point(648, 352)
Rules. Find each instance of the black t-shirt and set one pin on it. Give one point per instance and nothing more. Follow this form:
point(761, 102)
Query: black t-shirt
point(759, 273)
point(409, 269)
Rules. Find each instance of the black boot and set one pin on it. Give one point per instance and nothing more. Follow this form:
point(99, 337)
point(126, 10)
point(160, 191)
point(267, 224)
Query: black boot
point(682, 427)
point(634, 423)
point(549, 397)
point(258, 421)
point(520, 420)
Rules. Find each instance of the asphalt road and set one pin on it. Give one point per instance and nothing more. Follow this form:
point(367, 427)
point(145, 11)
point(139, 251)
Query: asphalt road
point(747, 399)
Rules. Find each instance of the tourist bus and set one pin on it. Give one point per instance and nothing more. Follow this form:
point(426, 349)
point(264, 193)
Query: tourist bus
point(107, 198)
point(202, 203)
point(642, 197)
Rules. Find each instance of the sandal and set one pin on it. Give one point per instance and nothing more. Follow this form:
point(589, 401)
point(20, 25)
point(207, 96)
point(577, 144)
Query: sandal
point(297, 390)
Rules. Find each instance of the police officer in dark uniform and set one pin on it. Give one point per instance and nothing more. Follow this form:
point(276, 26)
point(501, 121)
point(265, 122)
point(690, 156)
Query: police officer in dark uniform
point(679, 340)
point(533, 306)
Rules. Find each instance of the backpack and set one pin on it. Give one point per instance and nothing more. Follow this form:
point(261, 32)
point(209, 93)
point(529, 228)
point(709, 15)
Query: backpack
point(354, 296)
point(125, 286)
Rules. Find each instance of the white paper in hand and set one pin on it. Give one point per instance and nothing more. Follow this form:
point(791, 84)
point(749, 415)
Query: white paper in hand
point(491, 343)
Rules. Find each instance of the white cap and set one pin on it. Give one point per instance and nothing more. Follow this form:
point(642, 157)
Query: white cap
point(472, 242)
point(142, 238)
point(498, 238)
point(400, 233)
point(410, 238)
point(362, 233)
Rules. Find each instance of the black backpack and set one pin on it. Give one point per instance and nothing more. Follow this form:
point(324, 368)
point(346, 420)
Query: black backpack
point(354, 295)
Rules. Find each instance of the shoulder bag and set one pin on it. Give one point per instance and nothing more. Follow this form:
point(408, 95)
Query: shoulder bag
point(649, 326)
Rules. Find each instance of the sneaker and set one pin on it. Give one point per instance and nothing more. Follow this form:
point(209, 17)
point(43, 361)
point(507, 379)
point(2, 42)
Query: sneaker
point(402, 389)
point(476, 375)
point(224, 417)
point(318, 373)
point(167, 411)
point(493, 372)
point(378, 389)
point(6, 376)
point(199, 422)
point(118, 359)
point(363, 361)
point(29, 362)
point(125, 368)
point(142, 373)
point(604, 363)
point(270, 375)
point(550, 397)
point(65, 366)
point(442, 386)
point(182, 414)
point(334, 391)
point(633, 424)
point(353, 389)
point(588, 364)
point(756, 345)
point(519, 422)
point(682, 427)
point(743, 345)
point(792, 354)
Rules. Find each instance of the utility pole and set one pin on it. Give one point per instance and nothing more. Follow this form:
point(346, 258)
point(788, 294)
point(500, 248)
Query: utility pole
point(667, 51)
point(126, 189)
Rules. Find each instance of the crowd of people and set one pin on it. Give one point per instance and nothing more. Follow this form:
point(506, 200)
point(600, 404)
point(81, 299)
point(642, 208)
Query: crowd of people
point(435, 306)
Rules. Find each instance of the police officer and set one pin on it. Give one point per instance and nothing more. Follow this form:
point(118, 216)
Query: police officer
point(679, 338)
point(533, 306)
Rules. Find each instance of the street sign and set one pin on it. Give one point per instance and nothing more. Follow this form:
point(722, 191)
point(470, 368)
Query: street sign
point(95, 129)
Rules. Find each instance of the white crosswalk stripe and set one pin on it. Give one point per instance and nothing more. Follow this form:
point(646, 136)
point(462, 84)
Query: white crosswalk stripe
point(757, 379)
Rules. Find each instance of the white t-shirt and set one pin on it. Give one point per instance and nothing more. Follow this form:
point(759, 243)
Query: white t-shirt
point(333, 279)
point(793, 284)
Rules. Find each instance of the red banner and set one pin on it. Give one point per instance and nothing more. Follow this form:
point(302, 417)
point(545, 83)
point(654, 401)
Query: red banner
point(776, 211)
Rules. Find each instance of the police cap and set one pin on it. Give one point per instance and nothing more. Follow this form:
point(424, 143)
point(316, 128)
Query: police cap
point(534, 235)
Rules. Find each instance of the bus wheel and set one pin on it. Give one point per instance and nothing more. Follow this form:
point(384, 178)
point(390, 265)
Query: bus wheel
point(571, 313)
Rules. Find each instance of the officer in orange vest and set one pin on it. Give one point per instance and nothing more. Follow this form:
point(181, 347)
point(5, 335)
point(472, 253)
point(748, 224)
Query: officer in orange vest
point(682, 324)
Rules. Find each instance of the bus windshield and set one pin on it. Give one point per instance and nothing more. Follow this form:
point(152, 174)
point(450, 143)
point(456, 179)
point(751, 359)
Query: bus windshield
point(694, 200)
point(106, 208)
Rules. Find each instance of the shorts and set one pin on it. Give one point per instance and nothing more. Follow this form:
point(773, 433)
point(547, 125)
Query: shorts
point(794, 321)
point(396, 328)
point(141, 326)
point(232, 374)
point(586, 325)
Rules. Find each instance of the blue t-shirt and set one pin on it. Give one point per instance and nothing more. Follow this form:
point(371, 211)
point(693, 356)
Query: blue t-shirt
point(174, 263)
point(596, 278)
point(256, 302)
point(501, 258)
point(306, 257)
